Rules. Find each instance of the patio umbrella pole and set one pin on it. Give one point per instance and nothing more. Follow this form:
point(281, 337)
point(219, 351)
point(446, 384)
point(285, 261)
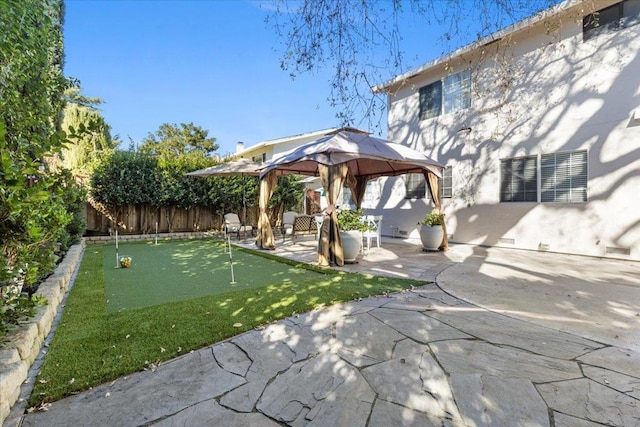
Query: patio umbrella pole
point(244, 200)
point(233, 280)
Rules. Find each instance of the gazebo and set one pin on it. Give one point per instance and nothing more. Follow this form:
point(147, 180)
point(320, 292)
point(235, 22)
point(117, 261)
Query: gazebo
point(343, 159)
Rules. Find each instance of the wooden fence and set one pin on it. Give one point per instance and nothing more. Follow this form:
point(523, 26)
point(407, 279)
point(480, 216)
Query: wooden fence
point(142, 219)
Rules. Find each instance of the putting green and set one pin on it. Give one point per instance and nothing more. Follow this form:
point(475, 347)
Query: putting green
point(183, 269)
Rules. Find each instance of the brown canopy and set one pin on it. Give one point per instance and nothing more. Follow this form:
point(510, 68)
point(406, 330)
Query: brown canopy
point(365, 157)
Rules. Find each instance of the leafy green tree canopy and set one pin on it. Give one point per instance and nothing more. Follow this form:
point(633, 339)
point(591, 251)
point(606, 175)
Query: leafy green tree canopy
point(171, 141)
point(125, 178)
point(88, 135)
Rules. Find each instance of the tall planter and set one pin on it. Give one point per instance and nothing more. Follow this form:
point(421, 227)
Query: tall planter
point(351, 227)
point(351, 244)
point(431, 236)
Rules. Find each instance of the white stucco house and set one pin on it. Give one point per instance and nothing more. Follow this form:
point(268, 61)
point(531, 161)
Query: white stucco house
point(539, 127)
point(267, 150)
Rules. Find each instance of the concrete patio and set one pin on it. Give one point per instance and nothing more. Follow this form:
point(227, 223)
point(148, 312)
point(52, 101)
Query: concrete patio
point(502, 338)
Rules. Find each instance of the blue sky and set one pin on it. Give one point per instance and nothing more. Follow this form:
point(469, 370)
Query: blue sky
point(210, 63)
point(214, 63)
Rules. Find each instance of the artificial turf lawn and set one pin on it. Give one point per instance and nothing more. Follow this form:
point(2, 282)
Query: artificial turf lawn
point(91, 346)
point(174, 271)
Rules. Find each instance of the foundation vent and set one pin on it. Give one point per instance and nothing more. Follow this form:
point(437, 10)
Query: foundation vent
point(617, 251)
point(506, 241)
point(543, 246)
point(403, 232)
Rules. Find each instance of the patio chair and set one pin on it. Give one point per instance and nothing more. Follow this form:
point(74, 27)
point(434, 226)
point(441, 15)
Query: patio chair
point(374, 232)
point(304, 225)
point(232, 225)
point(288, 219)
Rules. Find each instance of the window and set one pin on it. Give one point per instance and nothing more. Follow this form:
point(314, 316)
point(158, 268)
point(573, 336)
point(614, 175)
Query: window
point(372, 193)
point(519, 179)
point(457, 92)
point(261, 158)
point(621, 15)
point(564, 177)
point(445, 184)
point(431, 100)
point(347, 199)
point(444, 96)
point(415, 186)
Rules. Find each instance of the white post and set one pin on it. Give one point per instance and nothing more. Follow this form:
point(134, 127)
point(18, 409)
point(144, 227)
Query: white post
point(117, 257)
point(233, 280)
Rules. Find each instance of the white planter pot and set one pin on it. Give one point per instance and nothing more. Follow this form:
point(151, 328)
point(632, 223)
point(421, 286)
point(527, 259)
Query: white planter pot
point(431, 236)
point(351, 244)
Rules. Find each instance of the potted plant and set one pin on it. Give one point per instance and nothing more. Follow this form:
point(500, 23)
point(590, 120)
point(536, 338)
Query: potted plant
point(351, 227)
point(431, 231)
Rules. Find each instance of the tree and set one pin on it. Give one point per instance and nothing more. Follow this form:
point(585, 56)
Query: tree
point(287, 195)
point(88, 135)
point(361, 41)
point(179, 150)
point(171, 141)
point(124, 178)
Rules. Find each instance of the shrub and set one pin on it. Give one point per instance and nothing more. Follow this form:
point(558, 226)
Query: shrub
point(432, 219)
point(351, 219)
point(33, 216)
point(74, 197)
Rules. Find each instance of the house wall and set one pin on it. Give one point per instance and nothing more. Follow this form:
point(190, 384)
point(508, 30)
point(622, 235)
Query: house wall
point(540, 90)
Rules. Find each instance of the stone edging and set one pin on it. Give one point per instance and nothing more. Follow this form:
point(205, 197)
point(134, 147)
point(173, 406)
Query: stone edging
point(151, 237)
point(24, 342)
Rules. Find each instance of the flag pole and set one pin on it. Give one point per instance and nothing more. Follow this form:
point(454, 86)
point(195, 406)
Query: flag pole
point(117, 257)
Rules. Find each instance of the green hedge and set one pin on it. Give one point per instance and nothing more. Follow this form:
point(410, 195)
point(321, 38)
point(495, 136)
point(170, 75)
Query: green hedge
point(36, 205)
point(131, 178)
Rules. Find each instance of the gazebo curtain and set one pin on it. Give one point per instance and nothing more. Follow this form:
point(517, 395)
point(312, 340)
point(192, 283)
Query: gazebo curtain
point(264, 238)
point(434, 189)
point(333, 179)
point(330, 243)
point(358, 186)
